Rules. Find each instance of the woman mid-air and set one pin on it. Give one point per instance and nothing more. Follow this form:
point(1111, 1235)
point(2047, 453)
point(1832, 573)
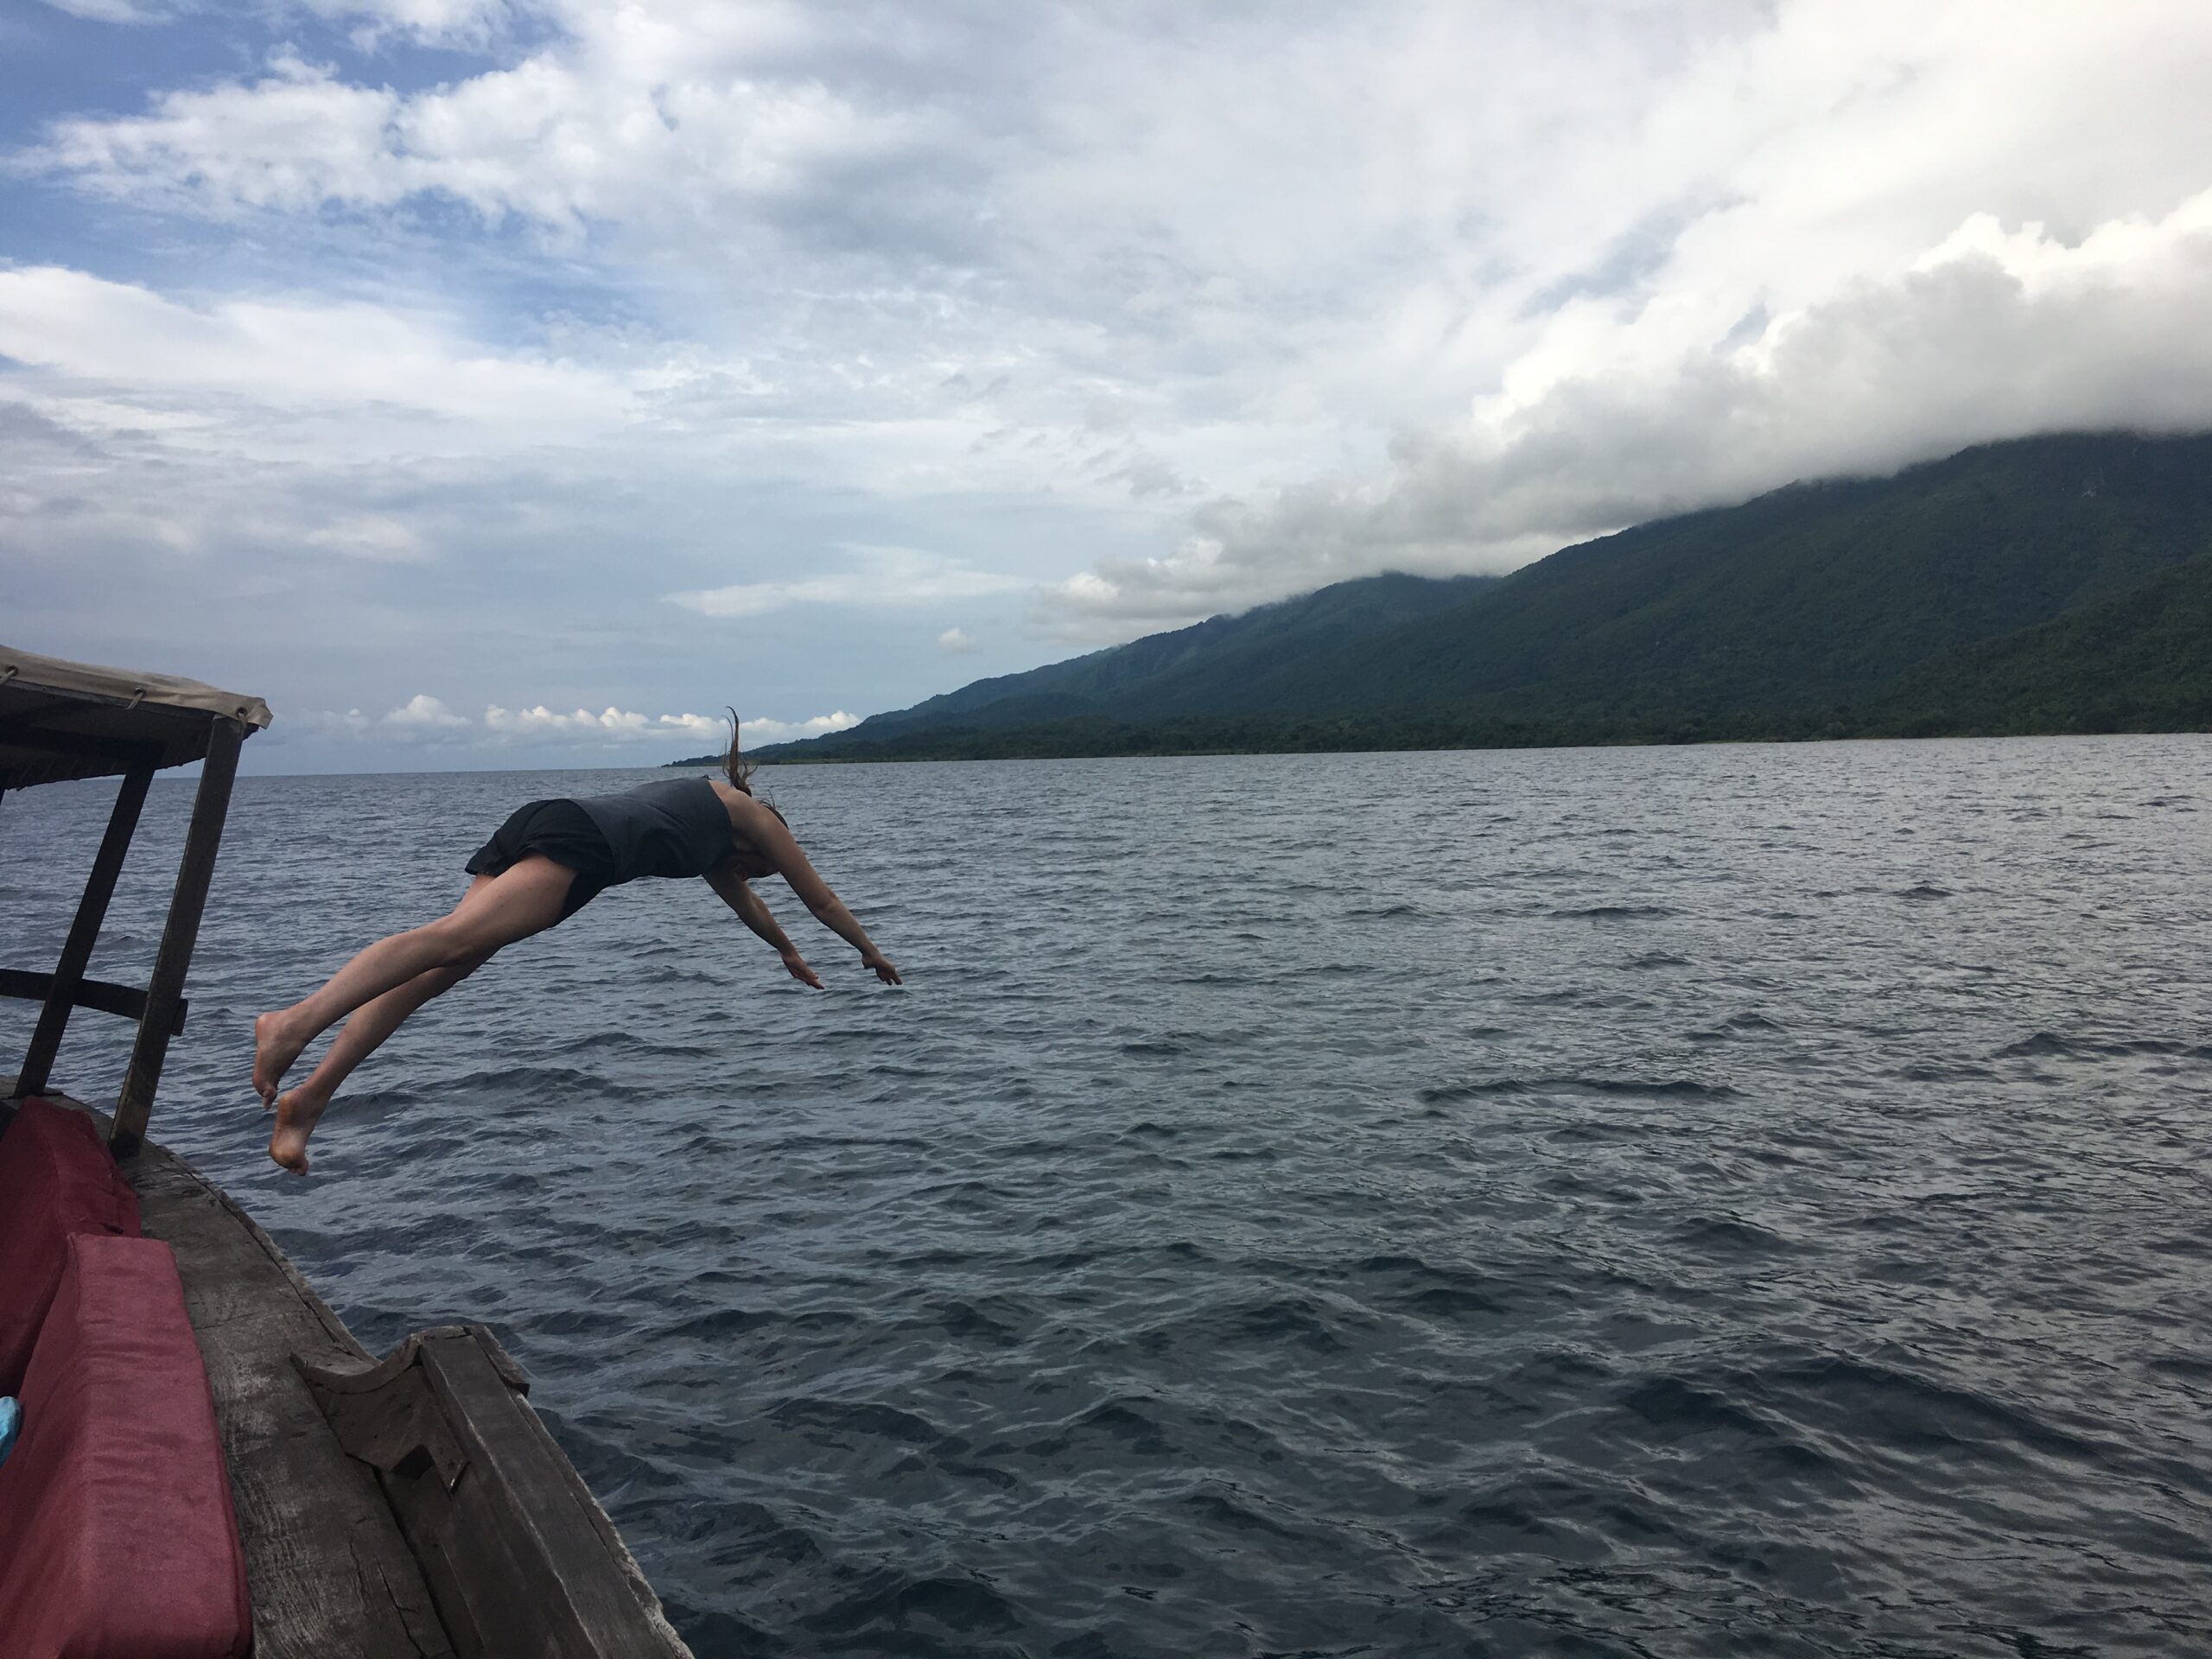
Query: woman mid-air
point(544, 864)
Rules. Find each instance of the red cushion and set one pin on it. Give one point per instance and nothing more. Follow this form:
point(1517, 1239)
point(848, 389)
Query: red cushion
point(116, 1537)
point(56, 1179)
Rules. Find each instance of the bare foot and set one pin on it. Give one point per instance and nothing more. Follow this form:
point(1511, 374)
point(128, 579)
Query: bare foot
point(273, 1054)
point(297, 1113)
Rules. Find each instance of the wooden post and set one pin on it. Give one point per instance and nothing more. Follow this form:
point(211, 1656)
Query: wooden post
point(209, 807)
point(77, 949)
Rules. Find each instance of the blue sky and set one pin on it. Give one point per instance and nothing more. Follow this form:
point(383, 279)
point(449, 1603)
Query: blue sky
point(489, 383)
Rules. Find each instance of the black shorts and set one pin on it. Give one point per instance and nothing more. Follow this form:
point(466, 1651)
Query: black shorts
point(563, 831)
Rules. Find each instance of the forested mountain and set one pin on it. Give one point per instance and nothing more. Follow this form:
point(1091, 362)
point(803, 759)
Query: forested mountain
point(1191, 669)
point(2041, 585)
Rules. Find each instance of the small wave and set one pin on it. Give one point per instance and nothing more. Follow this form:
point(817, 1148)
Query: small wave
point(1614, 912)
point(1925, 890)
point(970, 1323)
point(723, 1322)
point(1414, 1284)
point(1124, 1419)
point(1384, 913)
point(1658, 959)
point(1730, 1235)
point(1685, 1088)
point(630, 1043)
point(1934, 1071)
point(1921, 1413)
point(552, 1079)
point(1235, 1513)
point(832, 1420)
point(1282, 1318)
point(1680, 1407)
point(888, 1602)
point(2049, 1045)
point(575, 1321)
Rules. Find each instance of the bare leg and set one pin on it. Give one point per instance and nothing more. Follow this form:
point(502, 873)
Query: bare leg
point(496, 911)
point(301, 1107)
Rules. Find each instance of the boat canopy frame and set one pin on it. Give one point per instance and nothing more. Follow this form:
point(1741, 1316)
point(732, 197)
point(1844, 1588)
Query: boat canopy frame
point(62, 721)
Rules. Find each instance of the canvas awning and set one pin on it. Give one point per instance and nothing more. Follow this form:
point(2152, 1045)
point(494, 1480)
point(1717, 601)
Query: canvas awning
point(60, 719)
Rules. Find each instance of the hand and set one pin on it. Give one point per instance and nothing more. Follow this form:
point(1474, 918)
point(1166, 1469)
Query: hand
point(795, 965)
point(881, 965)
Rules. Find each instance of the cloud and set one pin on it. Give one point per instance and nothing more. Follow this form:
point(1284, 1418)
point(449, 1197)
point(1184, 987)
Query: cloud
point(443, 23)
point(955, 643)
point(757, 731)
point(112, 356)
point(369, 536)
point(111, 11)
point(1992, 333)
point(351, 722)
point(477, 368)
point(882, 576)
point(424, 717)
point(611, 723)
point(598, 126)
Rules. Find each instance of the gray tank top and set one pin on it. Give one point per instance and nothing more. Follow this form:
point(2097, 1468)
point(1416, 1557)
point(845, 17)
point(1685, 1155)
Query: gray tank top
point(674, 826)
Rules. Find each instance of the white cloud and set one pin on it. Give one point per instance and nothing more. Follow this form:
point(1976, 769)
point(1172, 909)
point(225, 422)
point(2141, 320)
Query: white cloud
point(111, 11)
point(882, 576)
point(1992, 333)
point(116, 355)
point(445, 22)
point(610, 126)
point(351, 722)
point(369, 536)
point(1207, 304)
point(956, 643)
point(425, 717)
point(609, 724)
point(757, 731)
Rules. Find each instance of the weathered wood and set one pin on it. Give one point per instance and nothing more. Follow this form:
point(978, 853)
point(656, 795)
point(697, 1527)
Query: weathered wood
point(166, 988)
point(101, 995)
point(84, 931)
point(520, 1556)
point(330, 1575)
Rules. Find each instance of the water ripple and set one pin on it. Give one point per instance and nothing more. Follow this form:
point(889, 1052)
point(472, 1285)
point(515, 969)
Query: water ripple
point(1739, 1200)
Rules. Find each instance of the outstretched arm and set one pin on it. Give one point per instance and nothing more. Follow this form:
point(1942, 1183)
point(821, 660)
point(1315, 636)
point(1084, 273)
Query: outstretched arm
point(766, 832)
point(753, 912)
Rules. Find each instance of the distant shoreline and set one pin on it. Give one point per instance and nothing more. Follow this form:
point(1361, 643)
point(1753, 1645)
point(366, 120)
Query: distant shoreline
point(1085, 740)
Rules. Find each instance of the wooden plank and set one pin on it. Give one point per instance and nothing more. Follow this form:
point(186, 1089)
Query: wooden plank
point(101, 995)
point(522, 1561)
point(210, 805)
point(84, 931)
point(330, 1575)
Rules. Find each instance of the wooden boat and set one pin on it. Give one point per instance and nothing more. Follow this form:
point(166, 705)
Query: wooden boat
point(401, 1508)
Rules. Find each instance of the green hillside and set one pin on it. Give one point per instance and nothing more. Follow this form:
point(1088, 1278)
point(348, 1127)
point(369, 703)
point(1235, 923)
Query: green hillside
point(2043, 585)
point(1195, 667)
point(1811, 597)
point(2137, 660)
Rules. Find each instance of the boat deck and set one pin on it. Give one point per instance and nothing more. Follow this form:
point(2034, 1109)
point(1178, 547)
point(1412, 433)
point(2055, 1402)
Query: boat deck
point(329, 1573)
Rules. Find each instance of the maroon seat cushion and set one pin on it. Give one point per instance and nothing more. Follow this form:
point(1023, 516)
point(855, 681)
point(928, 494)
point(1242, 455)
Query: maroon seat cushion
point(116, 1537)
point(56, 1179)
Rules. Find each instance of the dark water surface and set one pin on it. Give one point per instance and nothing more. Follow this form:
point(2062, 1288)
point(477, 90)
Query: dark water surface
point(1745, 1200)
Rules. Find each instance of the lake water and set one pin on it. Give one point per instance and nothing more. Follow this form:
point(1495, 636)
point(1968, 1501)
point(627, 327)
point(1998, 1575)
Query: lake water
point(1732, 1200)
